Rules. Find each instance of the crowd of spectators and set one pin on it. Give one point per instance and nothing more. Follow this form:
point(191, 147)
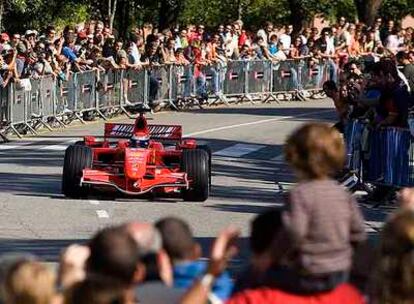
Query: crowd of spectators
point(312, 250)
point(381, 96)
point(94, 45)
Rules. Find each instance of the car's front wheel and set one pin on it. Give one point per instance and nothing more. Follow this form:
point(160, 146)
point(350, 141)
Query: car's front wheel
point(195, 163)
point(77, 158)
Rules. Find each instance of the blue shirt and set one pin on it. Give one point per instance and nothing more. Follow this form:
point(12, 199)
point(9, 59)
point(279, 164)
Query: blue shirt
point(272, 49)
point(69, 53)
point(185, 274)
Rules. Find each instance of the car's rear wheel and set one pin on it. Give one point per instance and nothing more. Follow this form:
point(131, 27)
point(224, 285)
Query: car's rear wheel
point(196, 164)
point(77, 158)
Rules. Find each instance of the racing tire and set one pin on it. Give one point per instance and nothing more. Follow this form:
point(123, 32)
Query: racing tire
point(79, 143)
point(77, 158)
point(209, 153)
point(195, 163)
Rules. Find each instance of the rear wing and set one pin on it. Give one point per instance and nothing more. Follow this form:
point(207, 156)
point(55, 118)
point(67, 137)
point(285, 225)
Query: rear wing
point(157, 132)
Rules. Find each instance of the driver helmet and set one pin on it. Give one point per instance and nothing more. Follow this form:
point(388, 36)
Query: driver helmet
point(139, 141)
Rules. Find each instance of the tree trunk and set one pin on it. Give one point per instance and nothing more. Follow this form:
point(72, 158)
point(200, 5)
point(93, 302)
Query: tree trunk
point(240, 10)
point(298, 17)
point(1, 14)
point(111, 12)
point(367, 10)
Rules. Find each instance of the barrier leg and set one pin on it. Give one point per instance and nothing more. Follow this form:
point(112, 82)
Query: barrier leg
point(13, 128)
point(247, 97)
point(43, 123)
point(59, 122)
point(79, 117)
point(221, 97)
point(101, 114)
point(125, 111)
point(33, 131)
point(4, 138)
point(299, 95)
point(271, 97)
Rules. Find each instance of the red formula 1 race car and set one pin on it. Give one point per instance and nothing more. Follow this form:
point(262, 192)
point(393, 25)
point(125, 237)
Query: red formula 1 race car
point(145, 159)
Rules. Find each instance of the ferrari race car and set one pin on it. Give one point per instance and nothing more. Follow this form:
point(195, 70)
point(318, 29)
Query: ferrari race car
point(142, 159)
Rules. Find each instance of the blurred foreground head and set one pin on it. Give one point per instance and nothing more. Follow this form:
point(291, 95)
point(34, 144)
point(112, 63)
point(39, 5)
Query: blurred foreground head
point(394, 277)
point(155, 260)
point(30, 282)
point(96, 290)
point(178, 240)
point(114, 254)
point(315, 151)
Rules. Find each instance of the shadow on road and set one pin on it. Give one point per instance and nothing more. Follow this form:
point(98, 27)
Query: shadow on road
point(312, 113)
point(47, 250)
point(28, 183)
point(32, 158)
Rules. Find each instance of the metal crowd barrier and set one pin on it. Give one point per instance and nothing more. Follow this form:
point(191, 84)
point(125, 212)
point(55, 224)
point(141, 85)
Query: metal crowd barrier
point(381, 156)
point(27, 104)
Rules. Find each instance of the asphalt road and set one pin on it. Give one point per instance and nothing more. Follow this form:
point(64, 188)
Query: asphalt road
point(247, 146)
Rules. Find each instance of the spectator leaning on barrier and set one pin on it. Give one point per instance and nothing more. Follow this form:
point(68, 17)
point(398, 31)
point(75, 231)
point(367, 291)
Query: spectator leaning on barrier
point(326, 50)
point(403, 58)
point(285, 38)
point(395, 99)
point(342, 107)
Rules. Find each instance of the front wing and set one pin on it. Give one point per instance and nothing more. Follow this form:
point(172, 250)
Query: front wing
point(160, 181)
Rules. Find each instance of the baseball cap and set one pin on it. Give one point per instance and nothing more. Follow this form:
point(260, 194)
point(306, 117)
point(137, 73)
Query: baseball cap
point(30, 33)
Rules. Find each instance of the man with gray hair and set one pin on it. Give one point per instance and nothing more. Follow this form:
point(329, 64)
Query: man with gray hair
point(156, 286)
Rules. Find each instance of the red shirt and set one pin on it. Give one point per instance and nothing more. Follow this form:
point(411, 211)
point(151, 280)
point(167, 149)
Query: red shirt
point(343, 294)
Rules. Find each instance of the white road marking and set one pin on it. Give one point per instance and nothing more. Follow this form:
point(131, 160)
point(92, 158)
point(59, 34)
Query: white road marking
point(254, 123)
point(10, 147)
point(238, 150)
point(60, 147)
point(102, 214)
point(94, 202)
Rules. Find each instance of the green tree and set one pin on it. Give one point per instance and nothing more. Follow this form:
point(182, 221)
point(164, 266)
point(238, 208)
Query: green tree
point(396, 9)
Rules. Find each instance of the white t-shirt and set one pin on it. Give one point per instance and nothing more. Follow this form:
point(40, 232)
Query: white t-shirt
point(262, 33)
point(330, 46)
point(135, 53)
point(392, 43)
point(286, 41)
point(347, 37)
point(304, 39)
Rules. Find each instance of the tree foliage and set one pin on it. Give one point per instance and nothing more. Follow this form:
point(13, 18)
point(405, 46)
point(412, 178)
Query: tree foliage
point(396, 9)
point(18, 15)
